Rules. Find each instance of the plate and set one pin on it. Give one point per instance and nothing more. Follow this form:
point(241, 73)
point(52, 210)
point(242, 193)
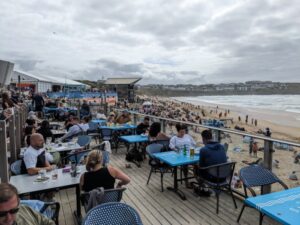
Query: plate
point(41, 179)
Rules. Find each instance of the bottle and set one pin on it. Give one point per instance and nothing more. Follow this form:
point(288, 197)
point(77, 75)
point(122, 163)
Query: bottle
point(192, 152)
point(184, 150)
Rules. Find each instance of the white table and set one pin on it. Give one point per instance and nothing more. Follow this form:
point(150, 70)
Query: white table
point(26, 184)
point(65, 147)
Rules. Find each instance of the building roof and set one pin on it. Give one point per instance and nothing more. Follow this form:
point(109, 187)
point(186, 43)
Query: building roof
point(127, 80)
point(45, 78)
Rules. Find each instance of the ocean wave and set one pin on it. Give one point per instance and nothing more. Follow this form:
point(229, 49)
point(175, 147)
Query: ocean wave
point(288, 103)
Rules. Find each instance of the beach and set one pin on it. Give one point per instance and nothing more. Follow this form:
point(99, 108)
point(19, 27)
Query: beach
point(283, 125)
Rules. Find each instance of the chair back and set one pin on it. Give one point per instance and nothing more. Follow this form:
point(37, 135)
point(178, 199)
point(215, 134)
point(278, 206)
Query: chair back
point(222, 171)
point(75, 157)
point(154, 148)
point(256, 175)
point(48, 209)
point(93, 127)
point(106, 133)
point(15, 167)
point(113, 213)
point(165, 144)
point(84, 140)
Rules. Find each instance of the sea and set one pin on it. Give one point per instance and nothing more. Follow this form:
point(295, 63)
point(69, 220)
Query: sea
point(276, 103)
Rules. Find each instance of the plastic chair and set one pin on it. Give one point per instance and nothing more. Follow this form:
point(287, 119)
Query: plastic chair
point(114, 213)
point(257, 176)
point(84, 140)
point(156, 165)
point(15, 167)
point(221, 175)
point(49, 209)
point(110, 195)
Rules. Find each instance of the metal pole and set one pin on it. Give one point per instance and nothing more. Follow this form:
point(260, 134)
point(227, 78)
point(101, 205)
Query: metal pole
point(18, 128)
point(268, 158)
point(163, 125)
point(12, 139)
point(4, 172)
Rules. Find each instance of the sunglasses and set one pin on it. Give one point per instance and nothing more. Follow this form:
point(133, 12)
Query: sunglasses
point(12, 211)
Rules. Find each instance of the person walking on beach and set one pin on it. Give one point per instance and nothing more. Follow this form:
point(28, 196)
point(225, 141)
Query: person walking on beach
point(246, 120)
point(250, 146)
point(239, 119)
point(255, 122)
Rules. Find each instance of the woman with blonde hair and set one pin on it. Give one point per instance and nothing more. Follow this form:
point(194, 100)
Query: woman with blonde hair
point(99, 176)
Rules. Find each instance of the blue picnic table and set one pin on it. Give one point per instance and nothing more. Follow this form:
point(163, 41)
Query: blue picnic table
point(119, 127)
point(135, 139)
point(175, 159)
point(282, 206)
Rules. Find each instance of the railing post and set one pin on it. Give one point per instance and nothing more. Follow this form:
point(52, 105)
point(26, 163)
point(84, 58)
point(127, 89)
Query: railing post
point(268, 159)
point(105, 109)
point(78, 109)
point(12, 138)
point(134, 119)
point(163, 125)
point(4, 172)
point(19, 122)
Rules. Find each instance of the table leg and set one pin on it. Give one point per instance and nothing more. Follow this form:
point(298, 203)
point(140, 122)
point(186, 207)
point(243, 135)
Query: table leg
point(77, 213)
point(175, 186)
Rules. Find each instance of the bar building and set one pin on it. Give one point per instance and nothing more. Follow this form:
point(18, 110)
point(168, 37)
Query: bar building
point(124, 87)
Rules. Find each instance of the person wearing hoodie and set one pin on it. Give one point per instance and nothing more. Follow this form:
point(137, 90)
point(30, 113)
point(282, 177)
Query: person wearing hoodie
point(212, 153)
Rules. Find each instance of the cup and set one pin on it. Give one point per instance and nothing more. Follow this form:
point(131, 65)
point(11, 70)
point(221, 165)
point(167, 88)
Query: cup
point(42, 173)
point(54, 174)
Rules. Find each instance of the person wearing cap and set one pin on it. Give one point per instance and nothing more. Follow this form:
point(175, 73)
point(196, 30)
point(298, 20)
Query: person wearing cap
point(111, 118)
point(124, 117)
point(12, 212)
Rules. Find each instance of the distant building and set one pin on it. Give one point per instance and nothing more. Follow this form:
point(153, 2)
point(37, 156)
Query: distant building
point(43, 83)
point(125, 87)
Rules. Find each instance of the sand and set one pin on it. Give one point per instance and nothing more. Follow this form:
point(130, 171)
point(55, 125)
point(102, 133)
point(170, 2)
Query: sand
point(283, 125)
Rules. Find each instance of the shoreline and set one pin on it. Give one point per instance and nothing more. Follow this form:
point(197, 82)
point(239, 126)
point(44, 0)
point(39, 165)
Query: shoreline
point(284, 125)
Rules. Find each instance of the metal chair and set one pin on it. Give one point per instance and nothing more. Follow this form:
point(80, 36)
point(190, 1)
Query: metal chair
point(93, 131)
point(75, 157)
point(84, 141)
point(15, 167)
point(49, 209)
point(218, 177)
point(165, 144)
point(114, 213)
point(156, 165)
point(110, 195)
point(106, 134)
point(257, 176)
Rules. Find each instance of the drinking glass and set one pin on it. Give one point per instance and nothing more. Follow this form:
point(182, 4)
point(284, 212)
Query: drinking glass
point(54, 173)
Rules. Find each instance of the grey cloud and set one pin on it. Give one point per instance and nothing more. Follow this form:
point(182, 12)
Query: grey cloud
point(27, 65)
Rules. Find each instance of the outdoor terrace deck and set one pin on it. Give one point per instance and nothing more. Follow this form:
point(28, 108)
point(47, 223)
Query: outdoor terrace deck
point(156, 207)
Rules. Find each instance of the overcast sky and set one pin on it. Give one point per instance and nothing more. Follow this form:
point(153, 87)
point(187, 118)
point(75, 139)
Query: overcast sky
point(166, 42)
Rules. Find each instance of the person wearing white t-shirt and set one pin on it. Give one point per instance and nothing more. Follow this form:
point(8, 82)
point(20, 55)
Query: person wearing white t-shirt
point(182, 139)
point(35, 157)
point(178, 142)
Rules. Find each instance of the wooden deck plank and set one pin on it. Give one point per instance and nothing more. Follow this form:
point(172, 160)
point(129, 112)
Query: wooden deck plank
point(156, 207)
